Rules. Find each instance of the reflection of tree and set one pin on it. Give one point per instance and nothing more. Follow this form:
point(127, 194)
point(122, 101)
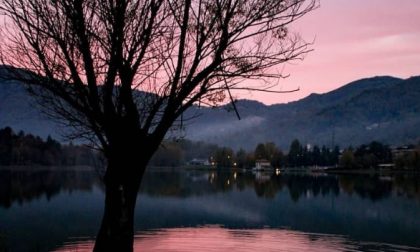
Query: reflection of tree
point(184, 185)
point(163, 184)
point(298, 185)
point(267, 189)
point(20, 187)
point(24, 186)
point(371, 187)
point(408, 186)
point(311, 185)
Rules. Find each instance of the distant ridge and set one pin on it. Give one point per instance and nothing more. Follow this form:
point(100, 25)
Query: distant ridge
point(381, 108)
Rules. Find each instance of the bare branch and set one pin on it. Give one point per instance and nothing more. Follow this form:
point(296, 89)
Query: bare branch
point(115, 68)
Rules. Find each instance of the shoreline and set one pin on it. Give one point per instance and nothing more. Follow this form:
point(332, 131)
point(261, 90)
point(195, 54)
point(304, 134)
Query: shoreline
point(38, 168)
point(371, 171)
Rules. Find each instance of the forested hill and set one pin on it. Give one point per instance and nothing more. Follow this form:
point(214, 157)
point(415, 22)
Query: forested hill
point(385, 109)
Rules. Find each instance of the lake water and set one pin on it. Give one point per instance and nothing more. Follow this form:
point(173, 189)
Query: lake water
point(181, 210)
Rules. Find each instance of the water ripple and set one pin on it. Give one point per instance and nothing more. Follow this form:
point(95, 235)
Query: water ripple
point(216, 238)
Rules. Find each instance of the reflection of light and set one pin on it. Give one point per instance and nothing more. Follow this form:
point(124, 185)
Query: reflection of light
point(189, 239)
point(212, 177)
point(277, 171)
point(228, 182)
point(234, 175)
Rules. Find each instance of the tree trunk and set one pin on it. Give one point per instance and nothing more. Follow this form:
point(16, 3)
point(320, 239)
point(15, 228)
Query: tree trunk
point(122, 182)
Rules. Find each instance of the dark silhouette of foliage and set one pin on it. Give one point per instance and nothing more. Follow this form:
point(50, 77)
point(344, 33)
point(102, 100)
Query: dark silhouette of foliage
point(366, 156)
point(26, 149)
point(241, 158)
point(300, 155)
point(260, 152)
point(347, 160)
point(84, 59)
point(409, 160)
point(295, 154)
point(270, 152)
point(224, 157)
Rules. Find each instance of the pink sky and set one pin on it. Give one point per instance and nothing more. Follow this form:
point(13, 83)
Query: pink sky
point(353, 40)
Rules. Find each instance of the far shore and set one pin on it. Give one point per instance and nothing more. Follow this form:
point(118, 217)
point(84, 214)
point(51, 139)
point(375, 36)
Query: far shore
point(371, 171)
point(326, 170)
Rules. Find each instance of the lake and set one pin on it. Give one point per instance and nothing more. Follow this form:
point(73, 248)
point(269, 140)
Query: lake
point(184, 210)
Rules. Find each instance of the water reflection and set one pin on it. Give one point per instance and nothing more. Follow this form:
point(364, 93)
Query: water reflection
point(209, 239)
point(43, 210)
point(267, 185)
point(23, 186)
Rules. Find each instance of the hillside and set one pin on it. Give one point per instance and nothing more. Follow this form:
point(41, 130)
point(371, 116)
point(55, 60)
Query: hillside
point(20, 111)
point(380, 108)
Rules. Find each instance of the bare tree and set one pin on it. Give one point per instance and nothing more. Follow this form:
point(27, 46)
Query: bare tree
point(121, 72)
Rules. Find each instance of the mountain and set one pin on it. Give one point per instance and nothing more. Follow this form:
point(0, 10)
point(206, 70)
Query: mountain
point(20, 111)
point(379, 108)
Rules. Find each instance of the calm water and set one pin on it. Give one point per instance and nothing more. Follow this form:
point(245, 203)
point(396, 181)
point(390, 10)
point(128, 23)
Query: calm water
point(217, 211)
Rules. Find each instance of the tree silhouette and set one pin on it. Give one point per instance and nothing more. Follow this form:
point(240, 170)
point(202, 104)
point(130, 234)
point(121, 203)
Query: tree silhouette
point(121, 73)
point(295, 153)
point(260, 152)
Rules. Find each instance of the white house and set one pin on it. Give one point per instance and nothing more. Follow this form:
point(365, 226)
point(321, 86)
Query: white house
point(197, 161)
point(262, 164)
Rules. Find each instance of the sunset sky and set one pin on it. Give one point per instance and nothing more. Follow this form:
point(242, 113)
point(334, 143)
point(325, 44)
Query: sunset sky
point(353, 40)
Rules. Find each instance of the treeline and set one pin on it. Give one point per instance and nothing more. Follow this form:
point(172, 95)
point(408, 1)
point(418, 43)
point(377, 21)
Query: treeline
point(408, 160)
point(26, 149)
point(180, 152)
point(365, 156)
point(375, 154)
point(177, 152)
point(23, 187)
point(298, 156)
